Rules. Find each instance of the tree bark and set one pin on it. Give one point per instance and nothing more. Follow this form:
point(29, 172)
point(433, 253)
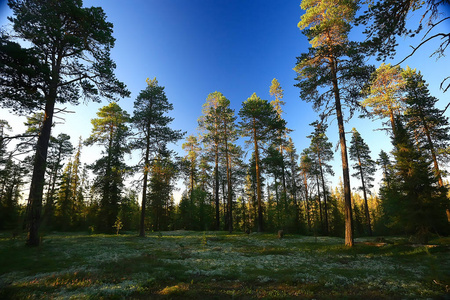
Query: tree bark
point(366, 206)
point(144, 188)
point(325, 208)
point(216, 175)
point(37, 179)
point(346, 176)
point(258, 180)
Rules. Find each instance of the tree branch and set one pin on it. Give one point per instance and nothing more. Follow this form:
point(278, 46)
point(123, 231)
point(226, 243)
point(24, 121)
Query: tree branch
point(421, 44)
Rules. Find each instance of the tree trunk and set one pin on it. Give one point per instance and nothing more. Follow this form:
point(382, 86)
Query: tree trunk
point(325, 208)
point(392, 119)
point(37, 179)
point(144, 188)
point(433, 152)
point(229, 196)
point(216, 175)
point(305, 183)
point(366, 206)
point(283, 177)
point(320, 203)
point(346, 176)
point(258, 180)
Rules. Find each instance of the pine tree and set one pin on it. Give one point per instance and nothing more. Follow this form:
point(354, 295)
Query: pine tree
point(333, 62)
point(386, 20)
point(111, 131)
point(67, 58)
point(209, 125)
point(365, 166)
point(294, 184)
point(153, 131)
point(384, 93)
point(228, 134)
point(277, 92)
point(260, 123)
point(306, 170)
point(218, 128)
point(321, 152)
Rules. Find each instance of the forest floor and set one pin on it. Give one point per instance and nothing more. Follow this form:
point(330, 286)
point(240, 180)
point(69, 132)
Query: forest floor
point(217, 265)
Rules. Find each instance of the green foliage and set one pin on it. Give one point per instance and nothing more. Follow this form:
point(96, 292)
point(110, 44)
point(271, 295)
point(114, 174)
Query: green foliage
point(67, 58)
point(428, 123)
point(163, 173)
point(260, 123)
point(111, 131)
point(413, 202)
point(365, 166)
point(333, 71)
point(153, 135)
point(386, 21)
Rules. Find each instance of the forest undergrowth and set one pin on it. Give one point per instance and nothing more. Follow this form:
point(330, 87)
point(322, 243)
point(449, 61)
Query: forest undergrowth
point(218, 265)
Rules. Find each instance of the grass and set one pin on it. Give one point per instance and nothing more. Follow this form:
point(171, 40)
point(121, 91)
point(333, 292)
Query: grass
point(217, 265)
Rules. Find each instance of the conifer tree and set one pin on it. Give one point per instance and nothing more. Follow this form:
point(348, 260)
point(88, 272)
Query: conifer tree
point(429, 124)
point(365, 166)
point(333, 62)
point(152, 131)
point(322, 154)
point(414, 203)
point(111, 131)
point(386, 166)
point(386, 20)
point(60, 147)
point(67, 58)
point(228, 135)
point(294, 181)
point(306, 170)
point(277, 92)
point(209, 125)
point(260, 123)
point(163, 171)
point(65, 205)
point(218, 128)
point(384, 93)
point(193, 148)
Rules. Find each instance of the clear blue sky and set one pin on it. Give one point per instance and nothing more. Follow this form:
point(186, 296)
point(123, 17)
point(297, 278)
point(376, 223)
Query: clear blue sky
point(196, 47)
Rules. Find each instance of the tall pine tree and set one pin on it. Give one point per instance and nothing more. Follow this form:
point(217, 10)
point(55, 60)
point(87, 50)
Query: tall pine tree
point(332, 62)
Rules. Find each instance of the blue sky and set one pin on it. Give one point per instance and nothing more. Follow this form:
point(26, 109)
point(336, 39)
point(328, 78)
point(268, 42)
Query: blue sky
point(196, 47)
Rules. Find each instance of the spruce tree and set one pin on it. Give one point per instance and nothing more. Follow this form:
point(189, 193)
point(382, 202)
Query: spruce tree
point(414, 203)
point(430, 126)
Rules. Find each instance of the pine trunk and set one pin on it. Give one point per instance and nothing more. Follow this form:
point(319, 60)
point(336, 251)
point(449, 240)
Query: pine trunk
point(258, 180)
point(216, 187)
point(366, 205)
point(37, 180)
point(346, 175)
